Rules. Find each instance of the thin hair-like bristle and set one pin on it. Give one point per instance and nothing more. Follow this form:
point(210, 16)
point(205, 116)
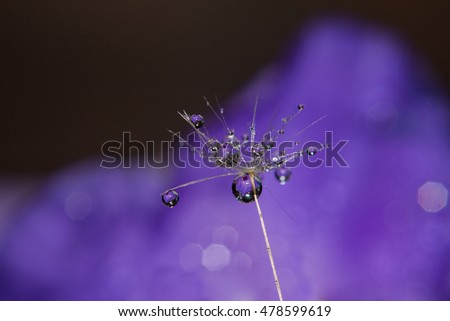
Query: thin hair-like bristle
point(196, 181)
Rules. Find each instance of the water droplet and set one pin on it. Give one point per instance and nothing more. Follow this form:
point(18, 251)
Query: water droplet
point(170, 198)
point(300, 107)
point(281, 131)
point(213, 146)
point(280, 162)
point(197, 120)
point(311, 151)
point(243, 190)
point(283, 175)
point(268, 143)
point(230, 136)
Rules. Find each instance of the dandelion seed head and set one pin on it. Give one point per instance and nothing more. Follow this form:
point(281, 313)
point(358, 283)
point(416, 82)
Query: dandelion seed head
point(245, 157)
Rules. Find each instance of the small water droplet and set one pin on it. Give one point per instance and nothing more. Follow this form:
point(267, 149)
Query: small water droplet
point(197, 120)
point(267, 142)
point(170, 198)
point(311, 151)
point(283, 175)
point(243, 190)
point(213, 146)
point(280, 162)
point(300, 107)
point(281, 131)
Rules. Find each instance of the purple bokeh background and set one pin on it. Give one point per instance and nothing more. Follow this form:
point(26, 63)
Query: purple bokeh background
point(356, 233)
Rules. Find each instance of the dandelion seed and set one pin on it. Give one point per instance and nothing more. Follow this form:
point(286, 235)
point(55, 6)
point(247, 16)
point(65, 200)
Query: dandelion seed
point(246, 159)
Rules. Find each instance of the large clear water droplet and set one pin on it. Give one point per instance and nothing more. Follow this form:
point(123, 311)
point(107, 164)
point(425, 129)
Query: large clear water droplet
point(197, 120)
point(243, 190)
point(170, 198)
point(283, 175)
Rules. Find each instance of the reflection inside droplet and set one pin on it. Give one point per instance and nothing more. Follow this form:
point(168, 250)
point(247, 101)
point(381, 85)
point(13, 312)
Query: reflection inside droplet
point(243, 189)
point(283, 175)
point(170, 198)
point(197, 120)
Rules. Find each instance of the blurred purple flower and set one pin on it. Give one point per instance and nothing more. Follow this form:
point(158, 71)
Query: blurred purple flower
point(377, 230)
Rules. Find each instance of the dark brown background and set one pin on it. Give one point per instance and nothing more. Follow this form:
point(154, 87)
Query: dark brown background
point(77, 73)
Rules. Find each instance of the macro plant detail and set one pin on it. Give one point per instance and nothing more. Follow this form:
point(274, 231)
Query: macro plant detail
point(246, 159)
point(376, 230)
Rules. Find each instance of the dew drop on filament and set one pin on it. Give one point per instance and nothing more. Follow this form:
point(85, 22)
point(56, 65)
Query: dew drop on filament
point(283, 175)
point(197, 120)
point(230, 136)
point(243, 190)
point(170, 198)
point(312, 151)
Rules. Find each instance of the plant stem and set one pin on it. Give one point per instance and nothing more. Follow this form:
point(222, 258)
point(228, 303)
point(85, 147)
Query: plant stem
point(266, 238)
